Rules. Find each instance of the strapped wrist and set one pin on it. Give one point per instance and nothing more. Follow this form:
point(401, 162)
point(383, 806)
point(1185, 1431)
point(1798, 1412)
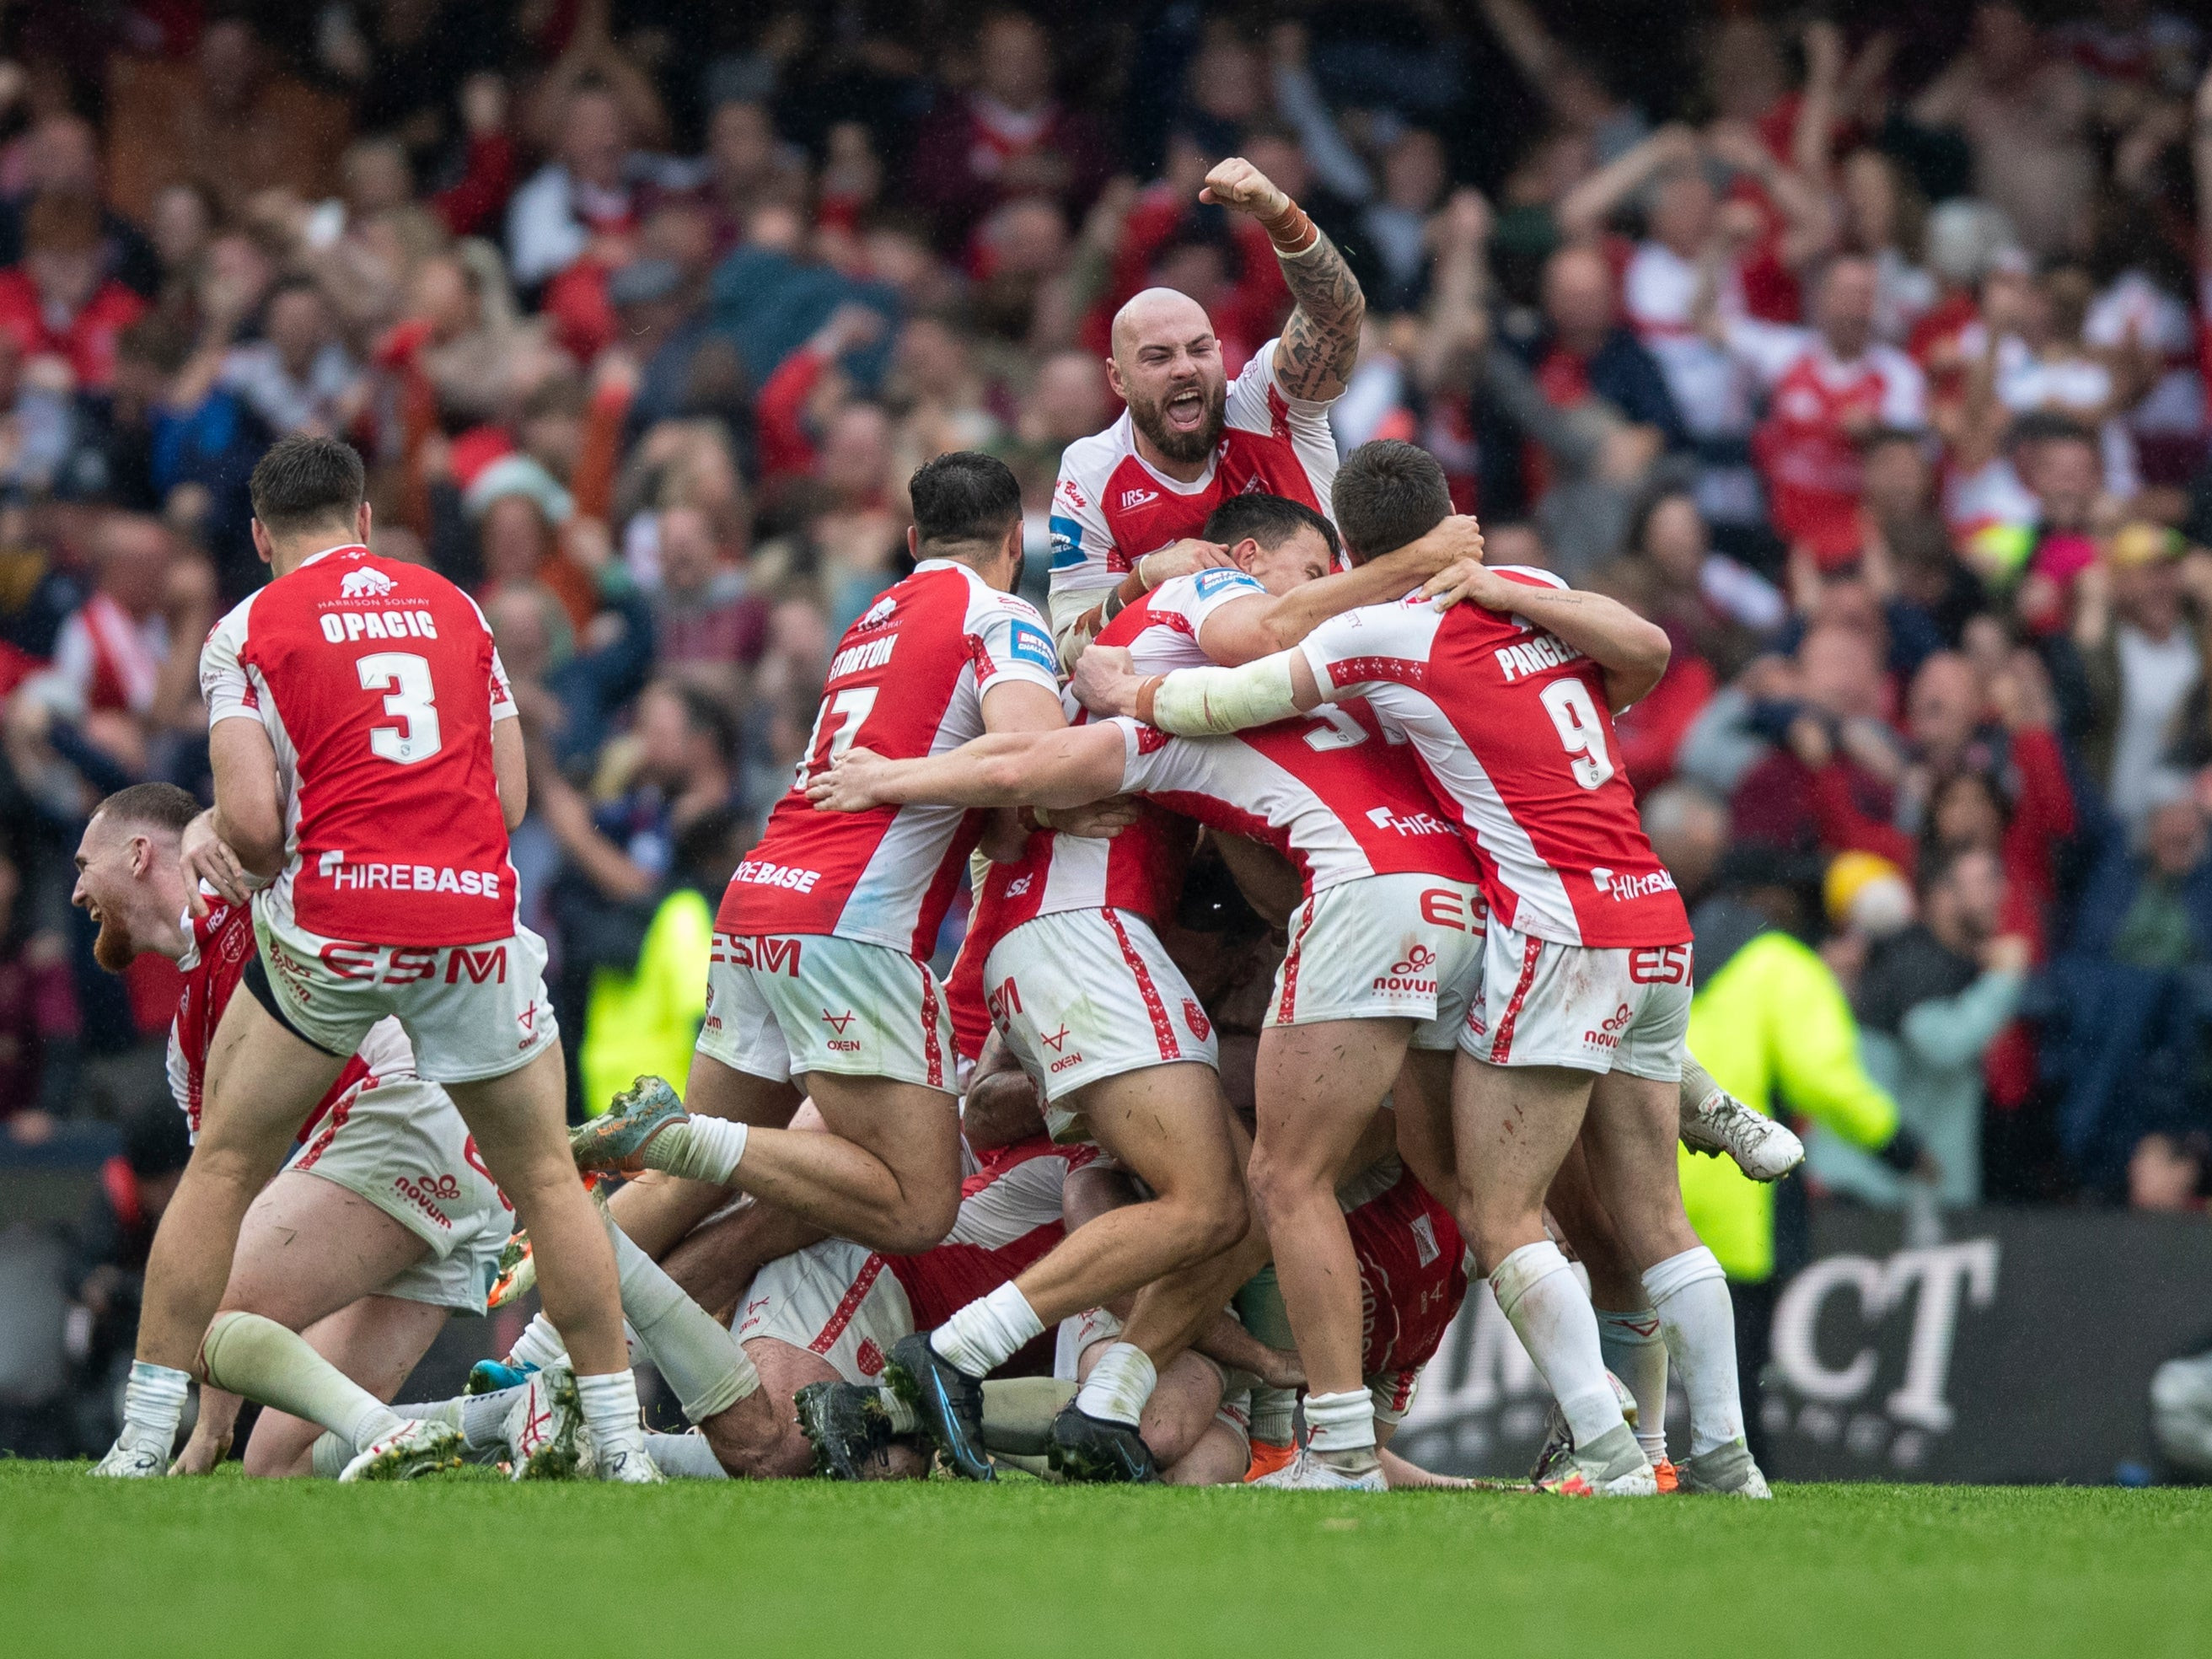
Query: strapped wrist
point(1147, 693)
point(1294, 234)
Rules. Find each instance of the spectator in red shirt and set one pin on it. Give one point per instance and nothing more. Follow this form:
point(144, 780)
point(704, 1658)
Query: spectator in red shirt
point(1006, 137)
point(57, 303)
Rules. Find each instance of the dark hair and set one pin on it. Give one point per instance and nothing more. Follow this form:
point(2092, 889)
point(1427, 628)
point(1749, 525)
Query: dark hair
point(964, 496)
point(156, 1140)
point(1938, 864)
point(303, 482)
point(156, 806)
point(1647, 508)
point(2050, 426)
point(293, 284)
point(1387, 494)
point(1270, 520)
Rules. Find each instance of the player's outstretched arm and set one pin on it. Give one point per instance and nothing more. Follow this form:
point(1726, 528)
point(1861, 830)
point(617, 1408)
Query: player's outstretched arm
point(510, 770)
point(1254, 626)
point(1198, 702)
point(1068, 767)
point(1633, 652)
point(1320, 341)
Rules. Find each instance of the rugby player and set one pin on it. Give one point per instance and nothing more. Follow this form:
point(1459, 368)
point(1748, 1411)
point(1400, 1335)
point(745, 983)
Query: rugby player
point(1586, 978)
point(1384, 944)
point(1130, 503)
point(367, 772)
point(383, 1220)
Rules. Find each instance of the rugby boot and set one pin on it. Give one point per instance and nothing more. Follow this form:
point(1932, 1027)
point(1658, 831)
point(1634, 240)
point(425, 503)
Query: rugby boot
point(1725, 1471)
point(949, 1402)
point(1559, 1452)
point(490, 1376)
point(1763, 1148)
point(1307, 1472)
point(544, 1429)
point(615, 1140)
point(847, 1427)
point(410, 1451)
point(1669, 1478)
point(135, 1455)
point(1084, 1448)
point(518, 1271)
point(1610, 1466)
point(1267, 1457)
point(631, 1466)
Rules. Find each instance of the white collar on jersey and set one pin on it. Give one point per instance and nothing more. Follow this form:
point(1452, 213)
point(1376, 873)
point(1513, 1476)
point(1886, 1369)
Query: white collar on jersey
point(342, 547)
point(1199, 485)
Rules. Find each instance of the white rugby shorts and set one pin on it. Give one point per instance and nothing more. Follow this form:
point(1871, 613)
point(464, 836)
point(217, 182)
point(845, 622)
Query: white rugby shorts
point(1591, 1009)
point(472, 1011)
point(780, 1005)
point(1385, 947)
point(836, 1299)
point(1080, 995)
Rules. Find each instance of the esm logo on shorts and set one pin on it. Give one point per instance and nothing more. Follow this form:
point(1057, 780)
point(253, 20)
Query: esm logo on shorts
point(1660, 964)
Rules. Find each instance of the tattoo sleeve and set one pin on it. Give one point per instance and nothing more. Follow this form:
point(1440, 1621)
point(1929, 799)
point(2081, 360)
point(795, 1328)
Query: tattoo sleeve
point(1321, 340)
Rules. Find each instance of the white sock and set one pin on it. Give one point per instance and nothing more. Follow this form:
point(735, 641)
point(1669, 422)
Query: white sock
point(1340, 1422)
point(1551, 1312)
point(1691, 1293)
point(610, 1403)
point(154, 1403)
point(539, 1345)
point(698, 1149)
point(1635, 1353)
point(1119, 1385)
point(1272, 1415)
point(988, 1332)
point(695, 1353)
point(685, 1457)
point(260, 1360)
point(904, 1418)
point(329, 1456)
point(483, 1417)
point(332, 1453)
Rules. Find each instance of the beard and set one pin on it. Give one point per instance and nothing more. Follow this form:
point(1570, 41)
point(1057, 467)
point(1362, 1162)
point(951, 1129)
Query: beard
point(112, 950)
point(1149, 417)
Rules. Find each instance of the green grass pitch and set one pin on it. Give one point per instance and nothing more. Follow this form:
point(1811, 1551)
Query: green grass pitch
point(472, 1566)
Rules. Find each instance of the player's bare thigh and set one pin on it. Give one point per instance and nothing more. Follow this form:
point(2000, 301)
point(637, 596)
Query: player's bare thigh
point(1629, 1145)
point(377, 1340)
point(913, 1130)
point(262, 1081)
point(310, 1247)
point(1511, 1126)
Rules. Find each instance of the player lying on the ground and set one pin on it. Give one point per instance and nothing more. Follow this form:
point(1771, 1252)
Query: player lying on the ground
point(382, 1221)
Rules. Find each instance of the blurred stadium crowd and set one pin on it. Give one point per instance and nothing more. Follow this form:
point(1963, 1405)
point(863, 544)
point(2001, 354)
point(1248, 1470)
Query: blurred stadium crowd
point(1869, 360)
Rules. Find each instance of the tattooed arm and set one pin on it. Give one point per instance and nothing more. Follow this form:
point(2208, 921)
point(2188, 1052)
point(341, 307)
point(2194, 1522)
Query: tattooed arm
point(1320, 341)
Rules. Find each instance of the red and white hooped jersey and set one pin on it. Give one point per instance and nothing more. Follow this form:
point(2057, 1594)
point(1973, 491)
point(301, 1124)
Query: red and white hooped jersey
point(909, 679)
point(1334, 791)
point(217, 947)
point(1517, 746)
point(1010, 1220)
point(1110, 507)
point(1806, 447)
point(378, 684)
point(1413, 1274)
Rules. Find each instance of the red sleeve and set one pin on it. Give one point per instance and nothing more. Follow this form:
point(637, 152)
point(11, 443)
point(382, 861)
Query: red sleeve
point(1651, 731)
point(484, 186)
point(1843, 827)
point(2045, 808)
point(785, 448)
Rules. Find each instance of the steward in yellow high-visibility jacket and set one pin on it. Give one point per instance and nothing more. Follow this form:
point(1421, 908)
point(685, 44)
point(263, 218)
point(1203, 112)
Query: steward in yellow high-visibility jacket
point(1769, 1019)
point(644, 1020)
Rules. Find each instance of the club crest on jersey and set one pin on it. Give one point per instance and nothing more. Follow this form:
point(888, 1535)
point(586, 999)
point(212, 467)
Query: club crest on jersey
point(1194, 1017)
point(365, 583)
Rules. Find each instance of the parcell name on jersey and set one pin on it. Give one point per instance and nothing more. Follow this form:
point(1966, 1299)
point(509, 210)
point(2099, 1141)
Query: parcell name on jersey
point(871, 654)
point(1533, 657)
point(343, 626)
point(407, 878)
point(759, 873)
point(1408, 823)
point(1622, 888)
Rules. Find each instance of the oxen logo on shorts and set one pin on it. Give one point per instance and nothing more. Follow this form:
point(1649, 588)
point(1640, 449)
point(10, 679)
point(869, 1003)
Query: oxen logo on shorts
point(1054, 1041)
point(1194, 1017)
point(841, 1044)
point(365, 584)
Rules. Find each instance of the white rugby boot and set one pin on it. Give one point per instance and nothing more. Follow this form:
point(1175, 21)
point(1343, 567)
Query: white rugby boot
point(1610, 1466)
point(1763, 1148)
point(136, 1455)
point(1306, 1473)
point(419, 1446)
point(1725, 1471)
point(544, 1429)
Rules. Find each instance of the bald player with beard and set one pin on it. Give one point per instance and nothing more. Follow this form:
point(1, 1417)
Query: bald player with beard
point(1130, 502)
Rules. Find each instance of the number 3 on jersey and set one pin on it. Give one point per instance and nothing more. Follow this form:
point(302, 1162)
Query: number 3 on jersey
point(1581, 734)
point(412, 700)
point(848, 708)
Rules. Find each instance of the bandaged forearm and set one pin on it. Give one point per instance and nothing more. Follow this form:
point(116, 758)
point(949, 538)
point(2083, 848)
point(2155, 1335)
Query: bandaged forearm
point(1210, 702)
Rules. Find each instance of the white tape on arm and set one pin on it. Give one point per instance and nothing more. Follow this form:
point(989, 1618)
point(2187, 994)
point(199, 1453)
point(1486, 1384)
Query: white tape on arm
point(1194, 702)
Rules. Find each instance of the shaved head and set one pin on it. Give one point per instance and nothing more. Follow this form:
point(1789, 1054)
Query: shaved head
point(1167, 366)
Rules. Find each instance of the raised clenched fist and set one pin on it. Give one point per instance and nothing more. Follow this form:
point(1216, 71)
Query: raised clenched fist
point(1237, 184)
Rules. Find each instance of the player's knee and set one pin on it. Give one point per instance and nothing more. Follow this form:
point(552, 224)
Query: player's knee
point(922, 1225)
point(1281, 1186)
point(1219, 1229)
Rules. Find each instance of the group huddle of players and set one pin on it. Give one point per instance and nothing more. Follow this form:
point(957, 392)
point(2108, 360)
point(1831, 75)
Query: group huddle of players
point(1316, 960)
